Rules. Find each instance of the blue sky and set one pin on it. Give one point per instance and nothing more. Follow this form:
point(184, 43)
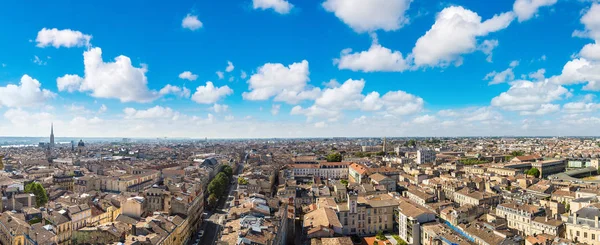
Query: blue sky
point(399, 68)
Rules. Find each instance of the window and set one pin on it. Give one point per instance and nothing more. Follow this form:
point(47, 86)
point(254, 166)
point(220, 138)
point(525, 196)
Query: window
point(585, 235)
point(593, 236)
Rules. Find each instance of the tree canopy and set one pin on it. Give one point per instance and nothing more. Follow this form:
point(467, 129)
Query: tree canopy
point(411, 143)
point(242, 181)
point(517, 153)
point(41, 197)
point(533, 172)
point(227, 170)
point(334, 157)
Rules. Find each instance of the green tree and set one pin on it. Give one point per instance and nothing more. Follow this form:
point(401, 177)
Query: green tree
point(517, 153)
point(411, 143)
point(533, 172)
point(381, 153)
point(242, 181)
point(380, 236)
point(218, 184)
point(344, 182)
point(212, 200)
point(227, 170)
point(41, 197)
point(1, 163)
point(334, 157)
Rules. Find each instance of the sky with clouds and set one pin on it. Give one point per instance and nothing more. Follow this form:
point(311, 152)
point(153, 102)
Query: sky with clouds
point(291, 68)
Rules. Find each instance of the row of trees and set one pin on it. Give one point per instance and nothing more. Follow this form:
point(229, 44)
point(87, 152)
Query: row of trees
point(218, 185)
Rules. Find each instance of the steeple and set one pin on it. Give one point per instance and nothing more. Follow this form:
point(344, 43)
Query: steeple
point(52, 134)
point(384, 145)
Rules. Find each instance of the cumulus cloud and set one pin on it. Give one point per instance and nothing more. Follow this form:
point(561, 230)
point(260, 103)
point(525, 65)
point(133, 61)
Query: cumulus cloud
point(218, 108)
point(527, 96)
point(191, 22)
point(210, 94)
point(526, 9)
point(453, 34)
point(229, 67)
point(220, 74)
point(542, 110)
point(61, 38)
point(364, 16)
point(425, 119)
point(285, 83)
point(175, 90)
point(26, 94)
point(377, 58)
point(154, 112)
point(118, 79)
point(275, 109)
point(102, 109)
point(591, 21)
point(279, 6)
point(69, 83)
point(349, 96)
point(580, 107)
point(188, 75)
point(487, 46)
point(503, 76)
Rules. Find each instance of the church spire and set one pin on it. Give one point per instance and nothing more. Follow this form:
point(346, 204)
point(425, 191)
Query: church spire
point(52, 134)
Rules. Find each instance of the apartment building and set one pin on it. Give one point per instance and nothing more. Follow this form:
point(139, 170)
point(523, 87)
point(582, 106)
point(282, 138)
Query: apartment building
point(134, 182)
point(583, 226)
point(528, 219)
point(410, 218)
point(425, 156)
point(328, 170)
point(363, 215)
point(477, 198)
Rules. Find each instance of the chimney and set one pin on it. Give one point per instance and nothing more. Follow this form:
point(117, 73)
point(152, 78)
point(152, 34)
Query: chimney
point(546, 218)
point(574, 218)
point(596, 221)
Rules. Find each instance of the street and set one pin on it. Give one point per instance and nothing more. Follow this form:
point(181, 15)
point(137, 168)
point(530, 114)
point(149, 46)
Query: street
point(213, 224)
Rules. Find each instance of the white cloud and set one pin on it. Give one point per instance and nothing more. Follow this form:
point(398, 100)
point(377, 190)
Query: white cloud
point(377, 58)
point(102, 109)
point(229, 118)
point(210, 94)
point(591, 51)
point(218, 108)
point(580, 107)
point(26, 94)
point(320, 124)
point(527, 96)
point(118, 79)
point(487, 46)
point(154, 112)
point(591, 21)
point(191, 22)
point(220, 74)
point(243, 75)
point(453, 34)
point(178, 91)
point(229, 67)
point(365, 16)
point(275, 109)
point(188, 75)
point(279, 6)
point(286, 84)
point(542, 110)
point(65, 38)
point(39, 61)
point(580, 71)
point(526, 9)
point(349, 96)
point(69, 83)
point(500, 77)
point(448, 113)
point(425, 119)
point(538, 75)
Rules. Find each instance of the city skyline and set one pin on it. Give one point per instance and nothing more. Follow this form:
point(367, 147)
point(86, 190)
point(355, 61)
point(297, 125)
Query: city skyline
point(298, 69)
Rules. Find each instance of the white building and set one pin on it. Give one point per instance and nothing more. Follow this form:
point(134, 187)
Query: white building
point(425, 156)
